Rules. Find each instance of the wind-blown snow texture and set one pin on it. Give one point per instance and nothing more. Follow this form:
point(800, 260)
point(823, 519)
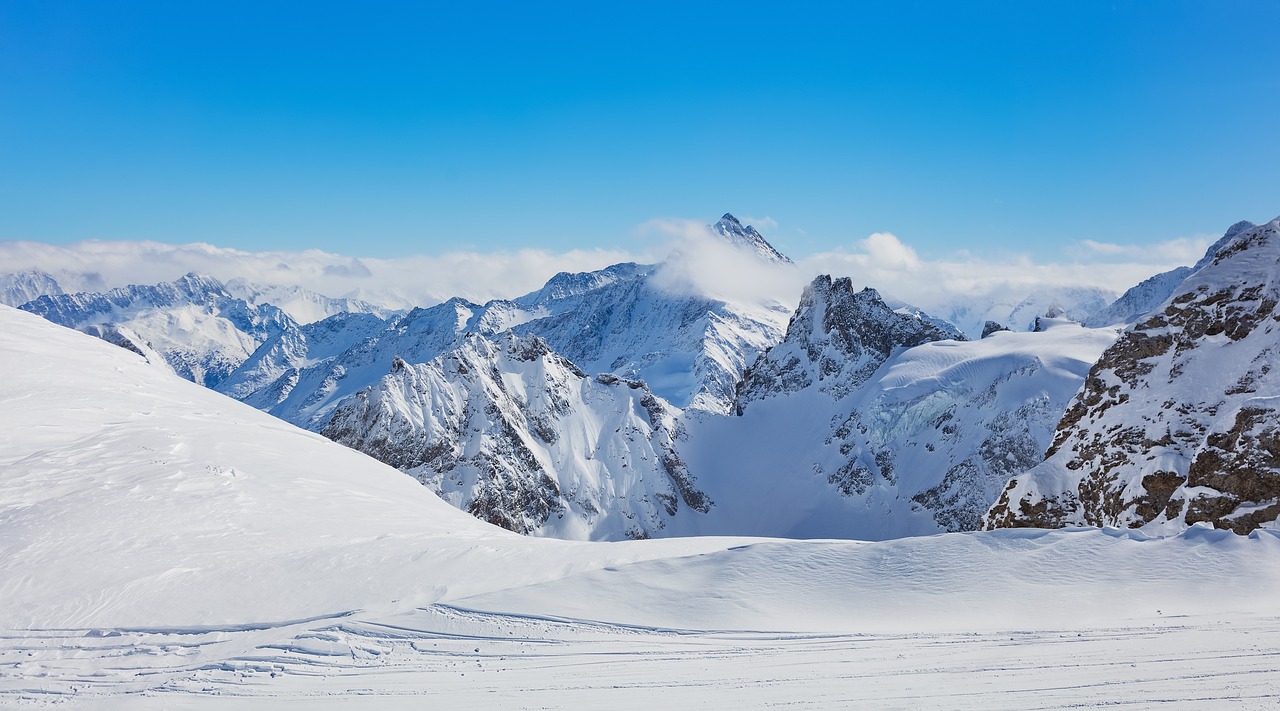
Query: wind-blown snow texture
point(1178, 422)
point(164, 547)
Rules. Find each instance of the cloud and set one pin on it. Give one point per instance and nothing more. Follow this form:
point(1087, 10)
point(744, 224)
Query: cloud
point(763, 224)
point(697, 262)
point(398, 283)
point(1185, 250)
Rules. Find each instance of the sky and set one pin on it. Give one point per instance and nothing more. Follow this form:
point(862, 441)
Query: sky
point(1063, 132)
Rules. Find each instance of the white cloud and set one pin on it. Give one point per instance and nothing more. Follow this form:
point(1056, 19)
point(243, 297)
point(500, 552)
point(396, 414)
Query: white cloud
point(699, 262)
point(1184, 250)
point(400, 282)
point(762, 224)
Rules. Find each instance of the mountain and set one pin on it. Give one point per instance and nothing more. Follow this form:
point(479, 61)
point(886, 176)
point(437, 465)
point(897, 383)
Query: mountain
point(162, 546)
point(17, 288)
point(1150, 293)
point(302, 305)
point(835, 340)
point(517, 435)
point(748, 238)
point(690, 349)
point(201, 330)
point(869, 423)
point(1177, 422)
point(303, 373)
point(1140, 299)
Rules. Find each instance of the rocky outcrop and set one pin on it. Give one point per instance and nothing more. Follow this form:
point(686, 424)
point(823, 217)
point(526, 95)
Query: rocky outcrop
point(836, 339)
point(1178, 422)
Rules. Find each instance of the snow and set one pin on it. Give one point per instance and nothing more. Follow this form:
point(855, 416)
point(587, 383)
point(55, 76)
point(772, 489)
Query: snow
point(1183, 402)
point(162, 546)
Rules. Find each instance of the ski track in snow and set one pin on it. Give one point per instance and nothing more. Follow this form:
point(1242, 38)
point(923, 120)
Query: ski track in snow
point(486, 660)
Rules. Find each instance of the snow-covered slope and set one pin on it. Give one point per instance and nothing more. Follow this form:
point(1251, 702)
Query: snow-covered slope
point(1177, 422)
point(517, 435)
point(162, 546)
point(201, 330)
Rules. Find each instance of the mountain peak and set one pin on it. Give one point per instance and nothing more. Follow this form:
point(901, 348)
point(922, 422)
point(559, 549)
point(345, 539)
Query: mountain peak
point(731, 229)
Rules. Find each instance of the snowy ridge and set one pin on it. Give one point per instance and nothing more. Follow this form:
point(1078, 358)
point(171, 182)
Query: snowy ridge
point(748, 238)
point(1143, 298)
point(690, 349)
point(1140, 299)
point(202, 331)
point(1177, 422)
point(517, 435)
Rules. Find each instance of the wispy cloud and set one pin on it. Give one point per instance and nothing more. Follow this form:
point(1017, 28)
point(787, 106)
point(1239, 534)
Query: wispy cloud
point(1185, 250)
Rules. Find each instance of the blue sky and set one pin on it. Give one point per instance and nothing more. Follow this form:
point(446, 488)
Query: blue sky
point(395, 129)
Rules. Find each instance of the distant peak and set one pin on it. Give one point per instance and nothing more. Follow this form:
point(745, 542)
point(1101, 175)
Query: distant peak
point(731, 229)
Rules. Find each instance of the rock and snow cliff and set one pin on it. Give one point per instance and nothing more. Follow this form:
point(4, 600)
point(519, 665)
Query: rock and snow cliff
point(1178, 422)
point(519, 436)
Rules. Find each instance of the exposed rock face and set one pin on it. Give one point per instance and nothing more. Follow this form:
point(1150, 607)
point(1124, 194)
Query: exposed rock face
point(201, 330)
point(516, 434)
point(991, 327)
point(836, 339)
point(1178, 422)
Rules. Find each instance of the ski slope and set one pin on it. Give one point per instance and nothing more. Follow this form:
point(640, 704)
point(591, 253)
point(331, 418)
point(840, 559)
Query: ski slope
point(162, 546)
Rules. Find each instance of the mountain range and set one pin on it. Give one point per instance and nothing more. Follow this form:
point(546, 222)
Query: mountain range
point(630, 402)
